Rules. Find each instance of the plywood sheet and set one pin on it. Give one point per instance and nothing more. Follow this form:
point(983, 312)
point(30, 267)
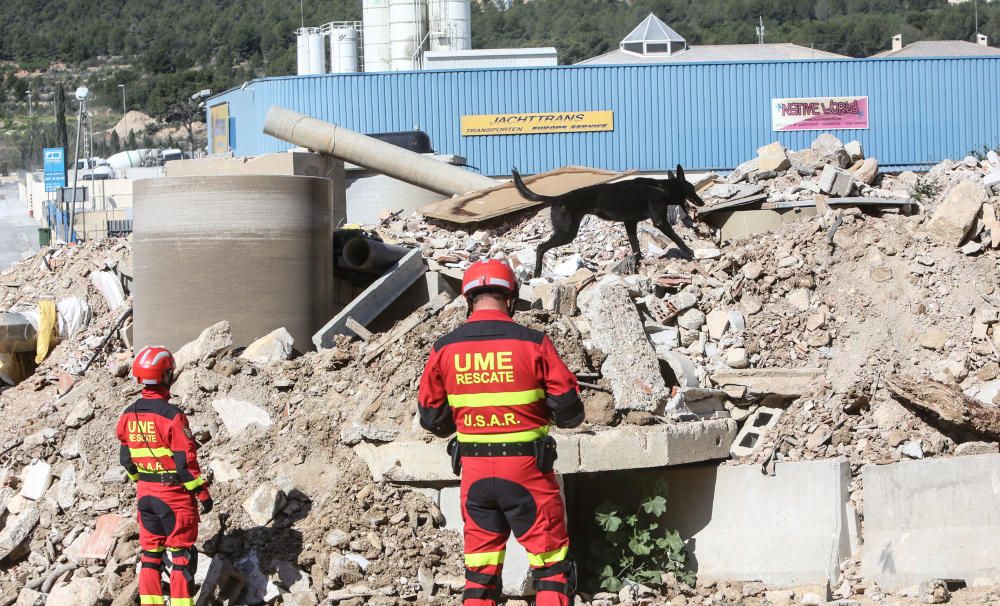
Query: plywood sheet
point(504, 199)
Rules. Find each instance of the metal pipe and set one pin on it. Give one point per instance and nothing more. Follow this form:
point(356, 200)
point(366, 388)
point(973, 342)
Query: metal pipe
point(16, 333)
point(370, 256)
point(372, 154)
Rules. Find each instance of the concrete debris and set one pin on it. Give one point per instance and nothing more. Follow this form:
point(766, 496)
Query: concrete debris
point(264, 504)
point(957, 212)
point(35, 480)
point(772, 158)
point(838, 183)
point(17, 529)
point(274, 347)
point(238, 415)
point(934, 592)
point(212, 340)
point(636, 381)
point(81, 591)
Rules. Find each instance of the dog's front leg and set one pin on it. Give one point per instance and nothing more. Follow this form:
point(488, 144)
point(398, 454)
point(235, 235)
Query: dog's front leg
point(664, 226)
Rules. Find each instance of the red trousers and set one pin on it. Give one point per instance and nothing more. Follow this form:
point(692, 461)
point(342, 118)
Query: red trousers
point(501, 495)
point(168, 523)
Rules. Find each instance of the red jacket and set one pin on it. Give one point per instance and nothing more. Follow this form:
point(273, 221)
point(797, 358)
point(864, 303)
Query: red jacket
point(494, 380)
point(155, 439)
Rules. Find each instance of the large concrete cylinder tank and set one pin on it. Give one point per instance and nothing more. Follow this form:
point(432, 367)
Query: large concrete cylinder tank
point(375, 14)
point(407, 29)
point(251, 249)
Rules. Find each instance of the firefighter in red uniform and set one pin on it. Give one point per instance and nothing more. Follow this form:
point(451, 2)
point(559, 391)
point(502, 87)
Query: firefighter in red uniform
point(501, 386)
point(158, 451)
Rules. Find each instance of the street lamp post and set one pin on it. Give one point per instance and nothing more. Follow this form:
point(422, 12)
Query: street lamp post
point(81, 95)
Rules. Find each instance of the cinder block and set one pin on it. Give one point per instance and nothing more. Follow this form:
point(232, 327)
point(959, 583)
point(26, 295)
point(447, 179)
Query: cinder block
point(836, 182)
point(932, 519)
point(756, 427)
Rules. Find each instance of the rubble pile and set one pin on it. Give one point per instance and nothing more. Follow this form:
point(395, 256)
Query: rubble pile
point(796, 333)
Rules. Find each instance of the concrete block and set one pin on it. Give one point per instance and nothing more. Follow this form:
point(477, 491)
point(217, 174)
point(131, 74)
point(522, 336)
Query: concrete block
point(932, 519)
point(80, 591)
point(636, 382)
point(264, 504)
point(237, 415)
point(785, 530)
point(773, 157)
point(35, 480)
point(407, 461)
point(835, 182)
point(756, 427)
point(451, 508)
point(957, 212)
point(17, 529)
point(211, 341)
point(273, 347)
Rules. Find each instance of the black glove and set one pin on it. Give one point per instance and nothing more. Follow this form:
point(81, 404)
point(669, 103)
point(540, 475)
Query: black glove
point(206, 505)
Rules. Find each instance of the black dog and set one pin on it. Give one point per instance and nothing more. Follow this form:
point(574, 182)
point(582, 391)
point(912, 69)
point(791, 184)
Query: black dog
point(626, 201)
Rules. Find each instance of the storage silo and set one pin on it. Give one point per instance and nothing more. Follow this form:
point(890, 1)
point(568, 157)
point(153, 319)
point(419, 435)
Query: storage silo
point(343, 50)
point(407, 30)
point(375, 15)
point(450, 25)
point(311, 49)
point(254, 250)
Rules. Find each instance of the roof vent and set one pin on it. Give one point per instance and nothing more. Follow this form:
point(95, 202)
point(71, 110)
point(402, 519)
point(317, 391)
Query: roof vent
point(897, 42)
point(653, 37)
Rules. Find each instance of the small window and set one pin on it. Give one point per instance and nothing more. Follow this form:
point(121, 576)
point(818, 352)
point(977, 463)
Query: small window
point(658, 47)
point(633, 47)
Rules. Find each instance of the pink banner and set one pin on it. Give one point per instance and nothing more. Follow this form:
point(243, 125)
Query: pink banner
point(819, 113)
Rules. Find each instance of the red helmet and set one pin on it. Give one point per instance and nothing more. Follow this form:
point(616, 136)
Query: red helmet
point(492, 274)
point(154, 366)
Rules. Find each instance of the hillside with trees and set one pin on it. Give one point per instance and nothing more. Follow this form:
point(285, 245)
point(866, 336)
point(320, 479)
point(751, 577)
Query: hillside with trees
point(165, 51)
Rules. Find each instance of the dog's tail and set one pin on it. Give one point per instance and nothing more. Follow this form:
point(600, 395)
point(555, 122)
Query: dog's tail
point(525, 192)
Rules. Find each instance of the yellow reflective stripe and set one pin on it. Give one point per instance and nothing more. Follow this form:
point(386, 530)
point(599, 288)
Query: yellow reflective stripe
point(507, 398)
point(161, 471)
point(132, 476)
point(492, 438)
point(151, 599)
point(549, 557)
point(490, 558)
point(181, 602)
point(145, 452)
point(195, 483)
point(155, 550)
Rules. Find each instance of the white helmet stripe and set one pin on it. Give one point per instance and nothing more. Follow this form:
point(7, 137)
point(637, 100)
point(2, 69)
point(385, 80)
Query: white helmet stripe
point(160, 356)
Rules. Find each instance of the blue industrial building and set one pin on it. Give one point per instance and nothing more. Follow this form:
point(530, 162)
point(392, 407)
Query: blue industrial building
point(706, 116)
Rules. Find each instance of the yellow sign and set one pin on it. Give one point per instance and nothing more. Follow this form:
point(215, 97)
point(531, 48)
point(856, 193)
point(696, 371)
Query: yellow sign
point(220, 128)
point(535, 124)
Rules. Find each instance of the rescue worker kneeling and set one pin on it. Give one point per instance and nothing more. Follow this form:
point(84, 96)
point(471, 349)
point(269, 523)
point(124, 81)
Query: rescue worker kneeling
point(159, 453)
point(501, 386)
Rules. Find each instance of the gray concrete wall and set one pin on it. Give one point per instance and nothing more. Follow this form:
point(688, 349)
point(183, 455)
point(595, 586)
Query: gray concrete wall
point(785, 530)
point(932, 519)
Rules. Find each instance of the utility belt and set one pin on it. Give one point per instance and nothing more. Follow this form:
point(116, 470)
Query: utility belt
point(543, 449)
point(167, 479)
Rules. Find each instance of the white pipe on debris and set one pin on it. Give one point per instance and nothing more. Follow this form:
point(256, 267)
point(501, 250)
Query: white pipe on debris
point(372, 154)
point(17, 333)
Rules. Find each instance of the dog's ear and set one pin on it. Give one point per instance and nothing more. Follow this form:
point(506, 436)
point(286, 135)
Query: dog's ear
point(513, 170)
point(680, 172)
point(670, 174)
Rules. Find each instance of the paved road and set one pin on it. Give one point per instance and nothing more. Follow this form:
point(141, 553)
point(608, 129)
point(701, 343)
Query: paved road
point(18, 231)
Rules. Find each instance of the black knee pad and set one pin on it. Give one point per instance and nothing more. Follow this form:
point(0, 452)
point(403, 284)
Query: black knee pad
point(566, 567)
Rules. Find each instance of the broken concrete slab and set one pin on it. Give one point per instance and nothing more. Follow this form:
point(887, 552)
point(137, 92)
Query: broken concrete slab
point(855, 150)
point(35, 480)
point(736, 516)
point(224, 471)
point(783, 383)
point(17, 529)
point(636, 382)
point(931, 519)
point(375, 299)
point(275, 346)
point(264, 504)
point(238, 415)
point(30, 597)
point(64, 490)
point(623, 447)
point(957, 212)
point(82, 412)
point(210, 342)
